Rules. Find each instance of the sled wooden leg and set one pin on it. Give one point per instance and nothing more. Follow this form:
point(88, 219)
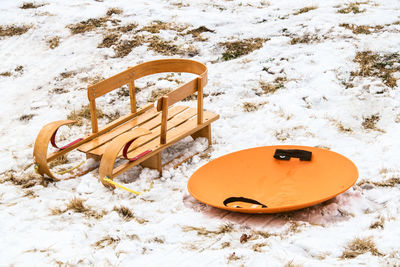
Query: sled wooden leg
point(204, 132)
point(154, 162)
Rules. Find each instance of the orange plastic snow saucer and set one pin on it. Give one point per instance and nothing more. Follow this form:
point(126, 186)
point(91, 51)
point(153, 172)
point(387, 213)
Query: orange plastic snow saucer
point(272, 179)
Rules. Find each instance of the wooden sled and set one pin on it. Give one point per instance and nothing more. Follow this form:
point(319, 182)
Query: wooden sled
point(141, 136)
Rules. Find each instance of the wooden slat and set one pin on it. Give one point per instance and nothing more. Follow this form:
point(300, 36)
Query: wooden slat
point(101, 139)
point(164, 118)
point(199, 101)
point(181, 93)
point(109, 84)
point(174, 122)
point(173, 136)
point(148, 121)
point(154, 125)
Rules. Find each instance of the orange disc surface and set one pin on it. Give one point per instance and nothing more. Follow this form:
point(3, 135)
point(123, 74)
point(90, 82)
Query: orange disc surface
point(253, 181)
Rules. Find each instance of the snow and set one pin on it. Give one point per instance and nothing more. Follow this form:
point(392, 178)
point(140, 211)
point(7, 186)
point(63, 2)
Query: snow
point(306, 111)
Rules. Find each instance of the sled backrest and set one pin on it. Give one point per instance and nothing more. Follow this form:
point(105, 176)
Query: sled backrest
point(148, 68)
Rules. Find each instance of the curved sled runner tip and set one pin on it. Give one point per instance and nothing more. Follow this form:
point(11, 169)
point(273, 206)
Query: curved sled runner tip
point(46, 136)
point(113, 149)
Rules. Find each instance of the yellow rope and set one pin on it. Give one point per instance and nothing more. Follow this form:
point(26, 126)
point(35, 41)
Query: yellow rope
point(126, 188)
point(71, 169)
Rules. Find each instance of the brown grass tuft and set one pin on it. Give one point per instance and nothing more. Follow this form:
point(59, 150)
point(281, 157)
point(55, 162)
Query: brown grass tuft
point(157, 26)
point(83, 113)
point(370, 122)
point(225, 245)
point(270, 88)
point(365, 29)
point(164, 47)
point(250, 107)
point(380, 223)
point(304, 10)
point(233, 257)
point(226, 228)
point(87, 25)
point(76, 204)
point(107, 241)
point(13, 30)
point(343, 129)
point(378, 65)
point(291, 264)
point(124, 212)
point(127, 28)
point(24, 180)
point(6, 74)
point(257, 247)
point(305, 39)
point(124, 47)
point(196, 33)
point(30, 6)
point(157, 94)
point(53, 42)
point(387, 183)
point(113, 11)
point(240, 48)
point(109, 40)
point(26, 117)
point(360, 246)
point(352, 8)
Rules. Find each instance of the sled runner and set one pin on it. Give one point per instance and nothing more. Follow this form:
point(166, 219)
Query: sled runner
point(138, 137)
point(272, 179)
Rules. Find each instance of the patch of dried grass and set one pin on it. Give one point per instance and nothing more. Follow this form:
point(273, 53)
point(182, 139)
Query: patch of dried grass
point(233, 257)
point(164, 47)
point(157, 94)
point(304, 10)
point(378, 224)
point(76, 205)
point(107, 241)
point(83, 113)
point(353, 8)
point(257, 247)
point(196, 33)
point(157, 26)
point(26, 117)
point(30, 5)
point(394, 181)
point(87, 25)
point(113, 11)
point(378, 65)
point(307, 38)
point(53, 42)
point(272, 87)
point(6, 74)
point(360, 246)
point(370, 122)
point(124, 212)
point(124, 47)
point(13, 30)
point(226, 228)
point(235, 49)
point(362, 29)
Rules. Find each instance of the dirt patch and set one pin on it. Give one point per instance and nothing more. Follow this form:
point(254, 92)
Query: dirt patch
point(53, 42)
point(240, 48)
point(360, 246)
point(13, 30)
point(304, 10)
point(378, 65)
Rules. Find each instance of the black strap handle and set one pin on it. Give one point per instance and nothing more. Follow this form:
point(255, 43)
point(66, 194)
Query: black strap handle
point(286, 154)
point(242, 199)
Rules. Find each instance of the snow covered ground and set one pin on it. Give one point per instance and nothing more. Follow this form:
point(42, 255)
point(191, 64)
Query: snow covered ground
point(316, 73)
